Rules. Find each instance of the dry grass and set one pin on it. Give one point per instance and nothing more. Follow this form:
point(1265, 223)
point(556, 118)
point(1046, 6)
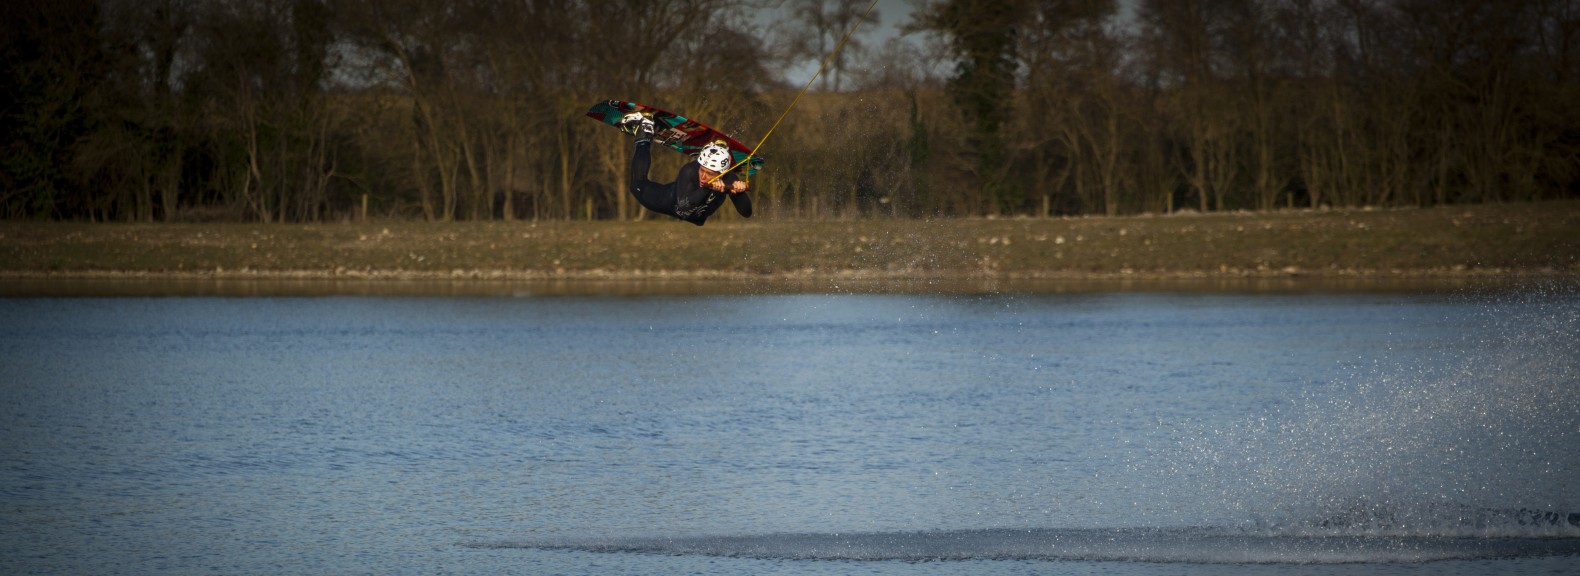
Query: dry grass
point(1509, 239)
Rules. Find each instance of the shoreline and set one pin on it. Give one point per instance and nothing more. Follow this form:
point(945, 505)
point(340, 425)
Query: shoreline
point(1425, 249)
point(318, 283)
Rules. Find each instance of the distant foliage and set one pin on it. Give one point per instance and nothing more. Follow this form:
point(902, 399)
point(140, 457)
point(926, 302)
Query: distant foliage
point(329, 110)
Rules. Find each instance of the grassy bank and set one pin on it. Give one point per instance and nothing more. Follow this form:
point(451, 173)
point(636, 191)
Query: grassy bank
point(1486, 240)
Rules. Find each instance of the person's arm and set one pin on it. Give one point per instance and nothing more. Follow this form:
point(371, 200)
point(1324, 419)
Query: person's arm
point(737, 192)
point(726, 183)
point(742, 202)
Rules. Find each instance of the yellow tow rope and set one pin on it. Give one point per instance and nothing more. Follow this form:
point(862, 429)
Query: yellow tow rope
point(809, 81)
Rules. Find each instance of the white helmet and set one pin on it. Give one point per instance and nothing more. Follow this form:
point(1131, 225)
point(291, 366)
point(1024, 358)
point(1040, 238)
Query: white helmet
point(715, 156)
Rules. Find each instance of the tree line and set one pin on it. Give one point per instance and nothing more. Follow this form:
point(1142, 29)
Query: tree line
point(329, 110)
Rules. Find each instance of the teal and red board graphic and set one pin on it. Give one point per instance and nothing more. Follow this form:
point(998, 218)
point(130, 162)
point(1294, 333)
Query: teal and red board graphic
point(675, 131)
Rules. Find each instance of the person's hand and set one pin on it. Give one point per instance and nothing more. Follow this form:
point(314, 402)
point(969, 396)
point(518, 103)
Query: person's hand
point(717, 185)
point(738, 188)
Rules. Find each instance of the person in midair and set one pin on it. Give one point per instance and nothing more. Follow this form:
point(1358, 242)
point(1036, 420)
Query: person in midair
point(697, 191)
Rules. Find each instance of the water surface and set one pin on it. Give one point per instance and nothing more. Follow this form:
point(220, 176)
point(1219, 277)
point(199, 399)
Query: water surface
point(1156, 433)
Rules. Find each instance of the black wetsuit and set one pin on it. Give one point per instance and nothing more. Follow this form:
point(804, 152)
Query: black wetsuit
point(686, 198)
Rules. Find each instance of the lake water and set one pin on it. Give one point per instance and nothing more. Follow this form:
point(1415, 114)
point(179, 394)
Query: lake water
point(1123, 433)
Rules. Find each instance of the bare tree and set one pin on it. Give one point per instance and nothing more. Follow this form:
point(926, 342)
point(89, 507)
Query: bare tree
point(819, 25)
point(294, 110)
point(1252, 53)
point(258, 67)
point(1074, 93)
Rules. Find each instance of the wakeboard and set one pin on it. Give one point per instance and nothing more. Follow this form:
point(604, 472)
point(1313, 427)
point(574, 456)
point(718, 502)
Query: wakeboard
point(683, 134)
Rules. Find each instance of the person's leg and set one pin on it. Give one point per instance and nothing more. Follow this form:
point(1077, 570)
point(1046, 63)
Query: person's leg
point(651, 195)
point(641, 158)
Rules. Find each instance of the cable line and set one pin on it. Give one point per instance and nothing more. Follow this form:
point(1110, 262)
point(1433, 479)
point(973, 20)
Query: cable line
point(797, 99)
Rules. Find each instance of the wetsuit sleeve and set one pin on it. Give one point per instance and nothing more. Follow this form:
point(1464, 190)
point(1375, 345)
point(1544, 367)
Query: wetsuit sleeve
point(743, 204)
